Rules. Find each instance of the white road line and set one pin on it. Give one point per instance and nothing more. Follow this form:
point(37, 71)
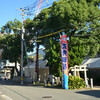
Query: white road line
point(6, 97)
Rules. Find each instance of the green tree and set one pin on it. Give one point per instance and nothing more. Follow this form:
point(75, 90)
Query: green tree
point(11, 26)
point(76, 52)
point(11, 48)
point(81, 21)
point(11, 43)
point(77, 17)
point(29, 26)
point(53, 56)
point(7, 27)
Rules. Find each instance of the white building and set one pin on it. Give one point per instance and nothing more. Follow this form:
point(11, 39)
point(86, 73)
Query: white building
point(29, 70)
point(7, 68)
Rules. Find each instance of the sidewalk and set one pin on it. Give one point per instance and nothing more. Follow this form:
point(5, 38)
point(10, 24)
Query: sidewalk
point(96, 88)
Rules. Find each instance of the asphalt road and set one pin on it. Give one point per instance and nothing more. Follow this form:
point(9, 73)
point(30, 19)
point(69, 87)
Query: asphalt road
point(1, 98)
point(19, 92)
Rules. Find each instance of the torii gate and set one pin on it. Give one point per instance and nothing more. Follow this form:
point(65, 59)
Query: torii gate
point(80, 68)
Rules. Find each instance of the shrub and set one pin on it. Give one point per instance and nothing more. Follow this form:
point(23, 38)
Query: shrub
point(75, 82)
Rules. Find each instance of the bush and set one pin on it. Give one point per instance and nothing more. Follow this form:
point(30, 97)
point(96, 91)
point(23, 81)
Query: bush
point(76, 82)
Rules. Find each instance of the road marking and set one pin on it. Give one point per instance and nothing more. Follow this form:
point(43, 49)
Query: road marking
point(6, 97)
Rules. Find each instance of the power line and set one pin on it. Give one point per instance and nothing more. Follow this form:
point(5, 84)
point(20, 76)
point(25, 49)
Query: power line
point(32, 12)
point(31, 6)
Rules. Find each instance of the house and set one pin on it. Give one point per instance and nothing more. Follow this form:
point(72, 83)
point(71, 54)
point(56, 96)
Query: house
point(7, 69)
point(29, 70)
point(93, 65)
point(5, 73)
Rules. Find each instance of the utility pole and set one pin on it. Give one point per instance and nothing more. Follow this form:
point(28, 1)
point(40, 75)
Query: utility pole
point(37, 60)
point(22, 41)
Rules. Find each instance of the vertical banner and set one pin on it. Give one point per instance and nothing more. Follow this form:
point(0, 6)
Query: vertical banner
point(64, 53)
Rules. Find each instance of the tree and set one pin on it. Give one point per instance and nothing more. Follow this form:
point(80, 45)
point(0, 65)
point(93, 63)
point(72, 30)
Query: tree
point(81, 21)
point(11, 48)
point(7, 27)
point(76, 52)
point(11, 43)
point(77, 17)
point(53, 56)
point(11, 26)
point(29, 26)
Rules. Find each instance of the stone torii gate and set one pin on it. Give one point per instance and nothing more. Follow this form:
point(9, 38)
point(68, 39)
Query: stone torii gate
point(77, 68)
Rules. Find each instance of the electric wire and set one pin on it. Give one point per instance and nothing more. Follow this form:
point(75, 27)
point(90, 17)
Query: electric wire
point(32, 12)
point(31, 6)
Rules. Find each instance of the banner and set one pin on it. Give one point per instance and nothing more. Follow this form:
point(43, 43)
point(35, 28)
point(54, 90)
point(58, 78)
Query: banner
point(64, 53)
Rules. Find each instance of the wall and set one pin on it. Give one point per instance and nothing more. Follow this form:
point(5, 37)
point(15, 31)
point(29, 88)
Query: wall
point(95, 74)
point(43, 73)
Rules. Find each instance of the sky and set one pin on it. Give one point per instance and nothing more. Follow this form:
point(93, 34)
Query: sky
point(9, 12)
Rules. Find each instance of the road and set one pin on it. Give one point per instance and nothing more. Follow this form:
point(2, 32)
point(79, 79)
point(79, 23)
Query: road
point(26, 92)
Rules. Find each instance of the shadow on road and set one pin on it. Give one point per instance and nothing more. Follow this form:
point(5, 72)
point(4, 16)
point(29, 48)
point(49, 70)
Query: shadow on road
point(95, 93)
point(11, 82)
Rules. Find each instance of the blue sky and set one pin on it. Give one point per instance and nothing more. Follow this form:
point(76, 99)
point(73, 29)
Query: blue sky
point(8, 9)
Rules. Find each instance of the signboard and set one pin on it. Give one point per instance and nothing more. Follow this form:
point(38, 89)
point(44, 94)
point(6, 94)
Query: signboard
point(64, 53)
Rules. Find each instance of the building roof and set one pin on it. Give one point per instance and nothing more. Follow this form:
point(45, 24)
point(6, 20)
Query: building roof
point(92, 62)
